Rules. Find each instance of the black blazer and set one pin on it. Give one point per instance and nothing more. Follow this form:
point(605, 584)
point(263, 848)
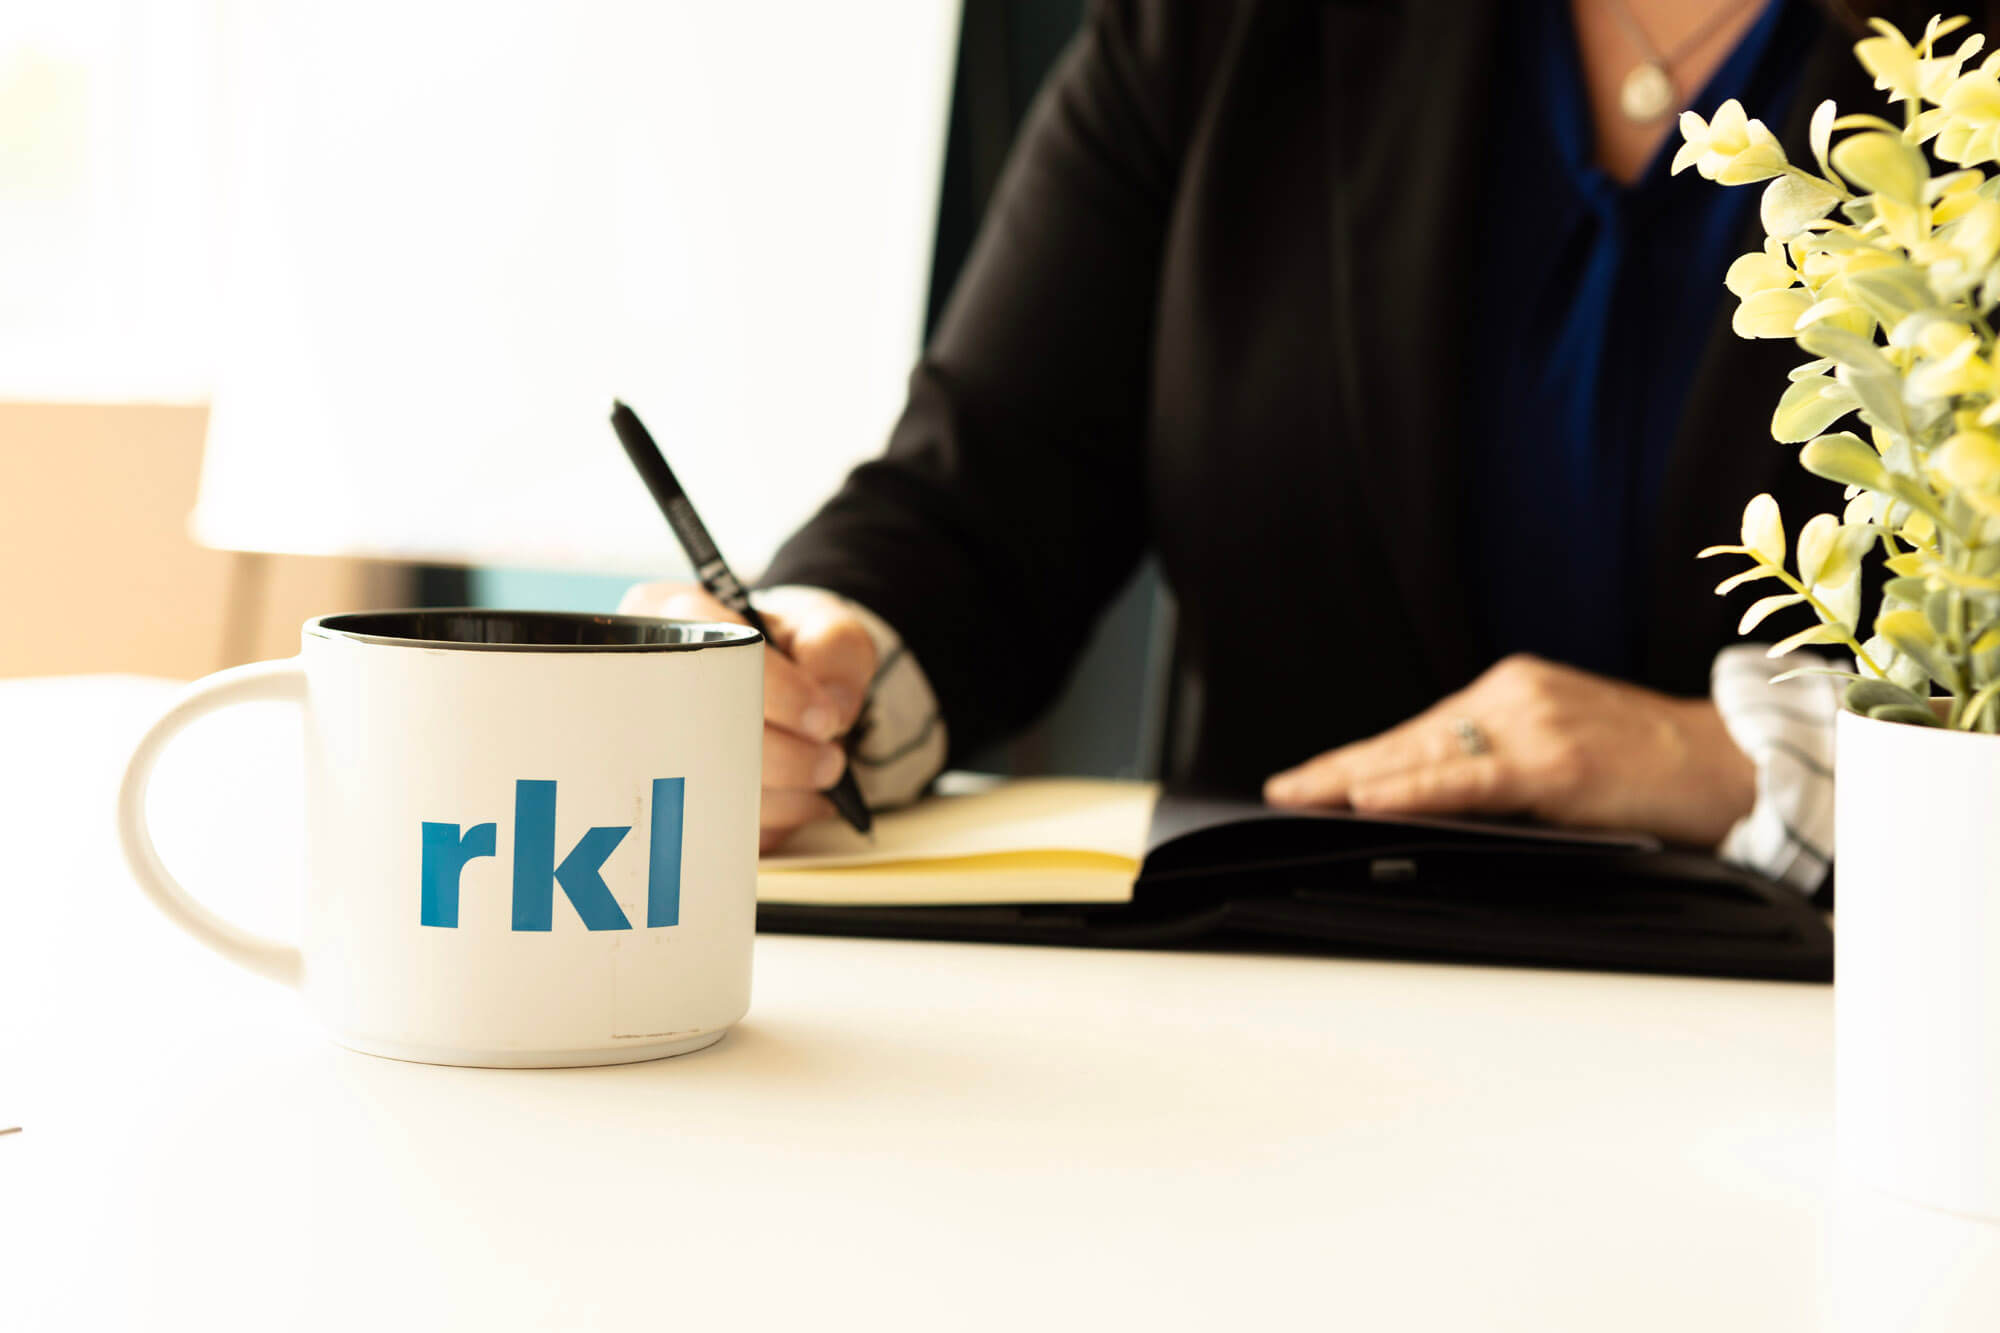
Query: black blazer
point(1211, 313)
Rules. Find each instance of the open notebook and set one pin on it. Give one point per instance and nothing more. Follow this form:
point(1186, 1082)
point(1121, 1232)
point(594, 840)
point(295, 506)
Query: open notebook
point(1095, 862)
point(1036, 840)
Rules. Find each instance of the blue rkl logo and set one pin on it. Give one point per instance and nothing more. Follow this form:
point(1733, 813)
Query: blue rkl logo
point(447, 848)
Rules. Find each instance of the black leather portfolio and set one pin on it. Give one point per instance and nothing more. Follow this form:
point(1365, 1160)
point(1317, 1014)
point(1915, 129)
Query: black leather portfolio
point(1230, 876)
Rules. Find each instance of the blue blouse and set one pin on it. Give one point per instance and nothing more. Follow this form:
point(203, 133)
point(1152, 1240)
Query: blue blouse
point(1592, 302)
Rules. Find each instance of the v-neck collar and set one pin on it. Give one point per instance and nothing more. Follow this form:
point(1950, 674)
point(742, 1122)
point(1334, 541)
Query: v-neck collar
point(1402, 88)
point(1568, 113)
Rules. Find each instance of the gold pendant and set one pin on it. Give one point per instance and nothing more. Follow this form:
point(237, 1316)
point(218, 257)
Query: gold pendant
point(1647, 93)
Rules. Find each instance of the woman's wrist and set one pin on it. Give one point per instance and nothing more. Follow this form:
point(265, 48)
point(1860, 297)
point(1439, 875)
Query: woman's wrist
point(1721, 778)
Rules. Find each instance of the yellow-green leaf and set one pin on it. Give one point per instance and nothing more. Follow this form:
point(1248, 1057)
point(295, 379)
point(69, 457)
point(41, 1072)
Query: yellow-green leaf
point(1793, 203)
point(1763, 607)
point(1906, 628)
point(1844, 458)
point(1974, 96)
point(1849, 349)
point(1761, 161)
point(1977, 235)
point(1969, 460)
point(1694, 142)
point(1892, 61)
point(1771, 314)
point(1817, 540)
point(1759, 272)
point(1841, 313)
point(1764, 529)
point(1958, 371)
point(1750, 575)
point(1816, 634)
point(1820, 134)
point(1843, 561)
point(1842, 601)
point(1883, 164)
point(1940, 26)
point(1861, 120)
point(1890, 291)
point(1808, 407)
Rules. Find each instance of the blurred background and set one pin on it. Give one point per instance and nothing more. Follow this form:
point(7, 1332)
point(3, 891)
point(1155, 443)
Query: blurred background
point(308, 308)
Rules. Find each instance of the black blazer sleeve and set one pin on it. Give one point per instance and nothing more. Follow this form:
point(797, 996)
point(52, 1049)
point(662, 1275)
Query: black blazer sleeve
point(1010, 504)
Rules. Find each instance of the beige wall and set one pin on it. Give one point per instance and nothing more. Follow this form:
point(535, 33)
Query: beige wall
point(96, 569)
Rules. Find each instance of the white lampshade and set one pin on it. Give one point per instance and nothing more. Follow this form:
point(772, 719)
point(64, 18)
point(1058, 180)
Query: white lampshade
point(455, 232)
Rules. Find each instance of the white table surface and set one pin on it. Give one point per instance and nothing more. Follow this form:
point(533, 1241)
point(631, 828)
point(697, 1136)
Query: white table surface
point(901, 1135)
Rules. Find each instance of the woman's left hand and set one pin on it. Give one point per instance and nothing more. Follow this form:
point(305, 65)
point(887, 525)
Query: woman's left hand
point(1535, 738)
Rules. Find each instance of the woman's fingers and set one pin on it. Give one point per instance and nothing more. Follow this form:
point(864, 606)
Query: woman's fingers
point(783, 811)
point(831, 648)
point(792, 699)
point(814, 684)
point(791, 761)
point(1332, 778)
point(1474, 784)
point(1511, 698)
point(1561, 745)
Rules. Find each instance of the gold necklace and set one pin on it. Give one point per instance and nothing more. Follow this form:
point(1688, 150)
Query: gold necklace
point(1648, 91)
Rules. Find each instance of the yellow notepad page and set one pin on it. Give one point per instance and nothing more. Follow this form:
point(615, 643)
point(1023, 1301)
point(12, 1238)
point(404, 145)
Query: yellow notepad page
point(1032, 840)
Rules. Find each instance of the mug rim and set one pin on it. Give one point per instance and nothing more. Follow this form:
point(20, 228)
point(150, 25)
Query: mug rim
point(328, 627)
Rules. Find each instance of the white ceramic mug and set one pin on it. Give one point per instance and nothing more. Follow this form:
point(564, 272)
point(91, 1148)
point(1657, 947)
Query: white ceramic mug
point(531, 836)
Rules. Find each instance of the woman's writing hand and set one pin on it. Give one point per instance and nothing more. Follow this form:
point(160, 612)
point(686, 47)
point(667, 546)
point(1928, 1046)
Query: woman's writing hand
point(812, 693)
point(1534, 738)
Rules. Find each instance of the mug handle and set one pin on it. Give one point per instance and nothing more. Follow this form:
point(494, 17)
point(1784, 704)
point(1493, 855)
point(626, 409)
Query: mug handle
point(283, 681)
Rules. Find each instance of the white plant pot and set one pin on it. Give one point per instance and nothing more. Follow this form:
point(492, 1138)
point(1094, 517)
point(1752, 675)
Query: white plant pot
point(1917, 962)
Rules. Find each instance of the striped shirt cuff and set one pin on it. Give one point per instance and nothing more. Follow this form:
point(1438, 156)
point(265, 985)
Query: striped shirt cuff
point(1787, 730)
point(905, 744)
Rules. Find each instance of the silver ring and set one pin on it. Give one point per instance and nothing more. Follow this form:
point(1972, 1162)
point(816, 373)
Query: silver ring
point(1471, 737)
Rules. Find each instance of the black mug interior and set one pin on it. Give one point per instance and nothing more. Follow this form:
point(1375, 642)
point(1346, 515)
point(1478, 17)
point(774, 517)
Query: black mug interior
point(520, 631)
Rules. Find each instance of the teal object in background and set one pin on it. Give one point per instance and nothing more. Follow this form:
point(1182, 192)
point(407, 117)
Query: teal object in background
point(550, 590)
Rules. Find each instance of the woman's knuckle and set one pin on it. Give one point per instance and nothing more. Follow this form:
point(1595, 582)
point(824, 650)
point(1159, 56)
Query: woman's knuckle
point(1545, 711)
point(640, 596)
point(685, 603)
point(1566, 764)
point(840, 640)
point(1515, 679)
point(853, 634)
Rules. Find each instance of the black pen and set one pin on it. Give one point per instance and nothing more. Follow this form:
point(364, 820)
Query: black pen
point(712, 570)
